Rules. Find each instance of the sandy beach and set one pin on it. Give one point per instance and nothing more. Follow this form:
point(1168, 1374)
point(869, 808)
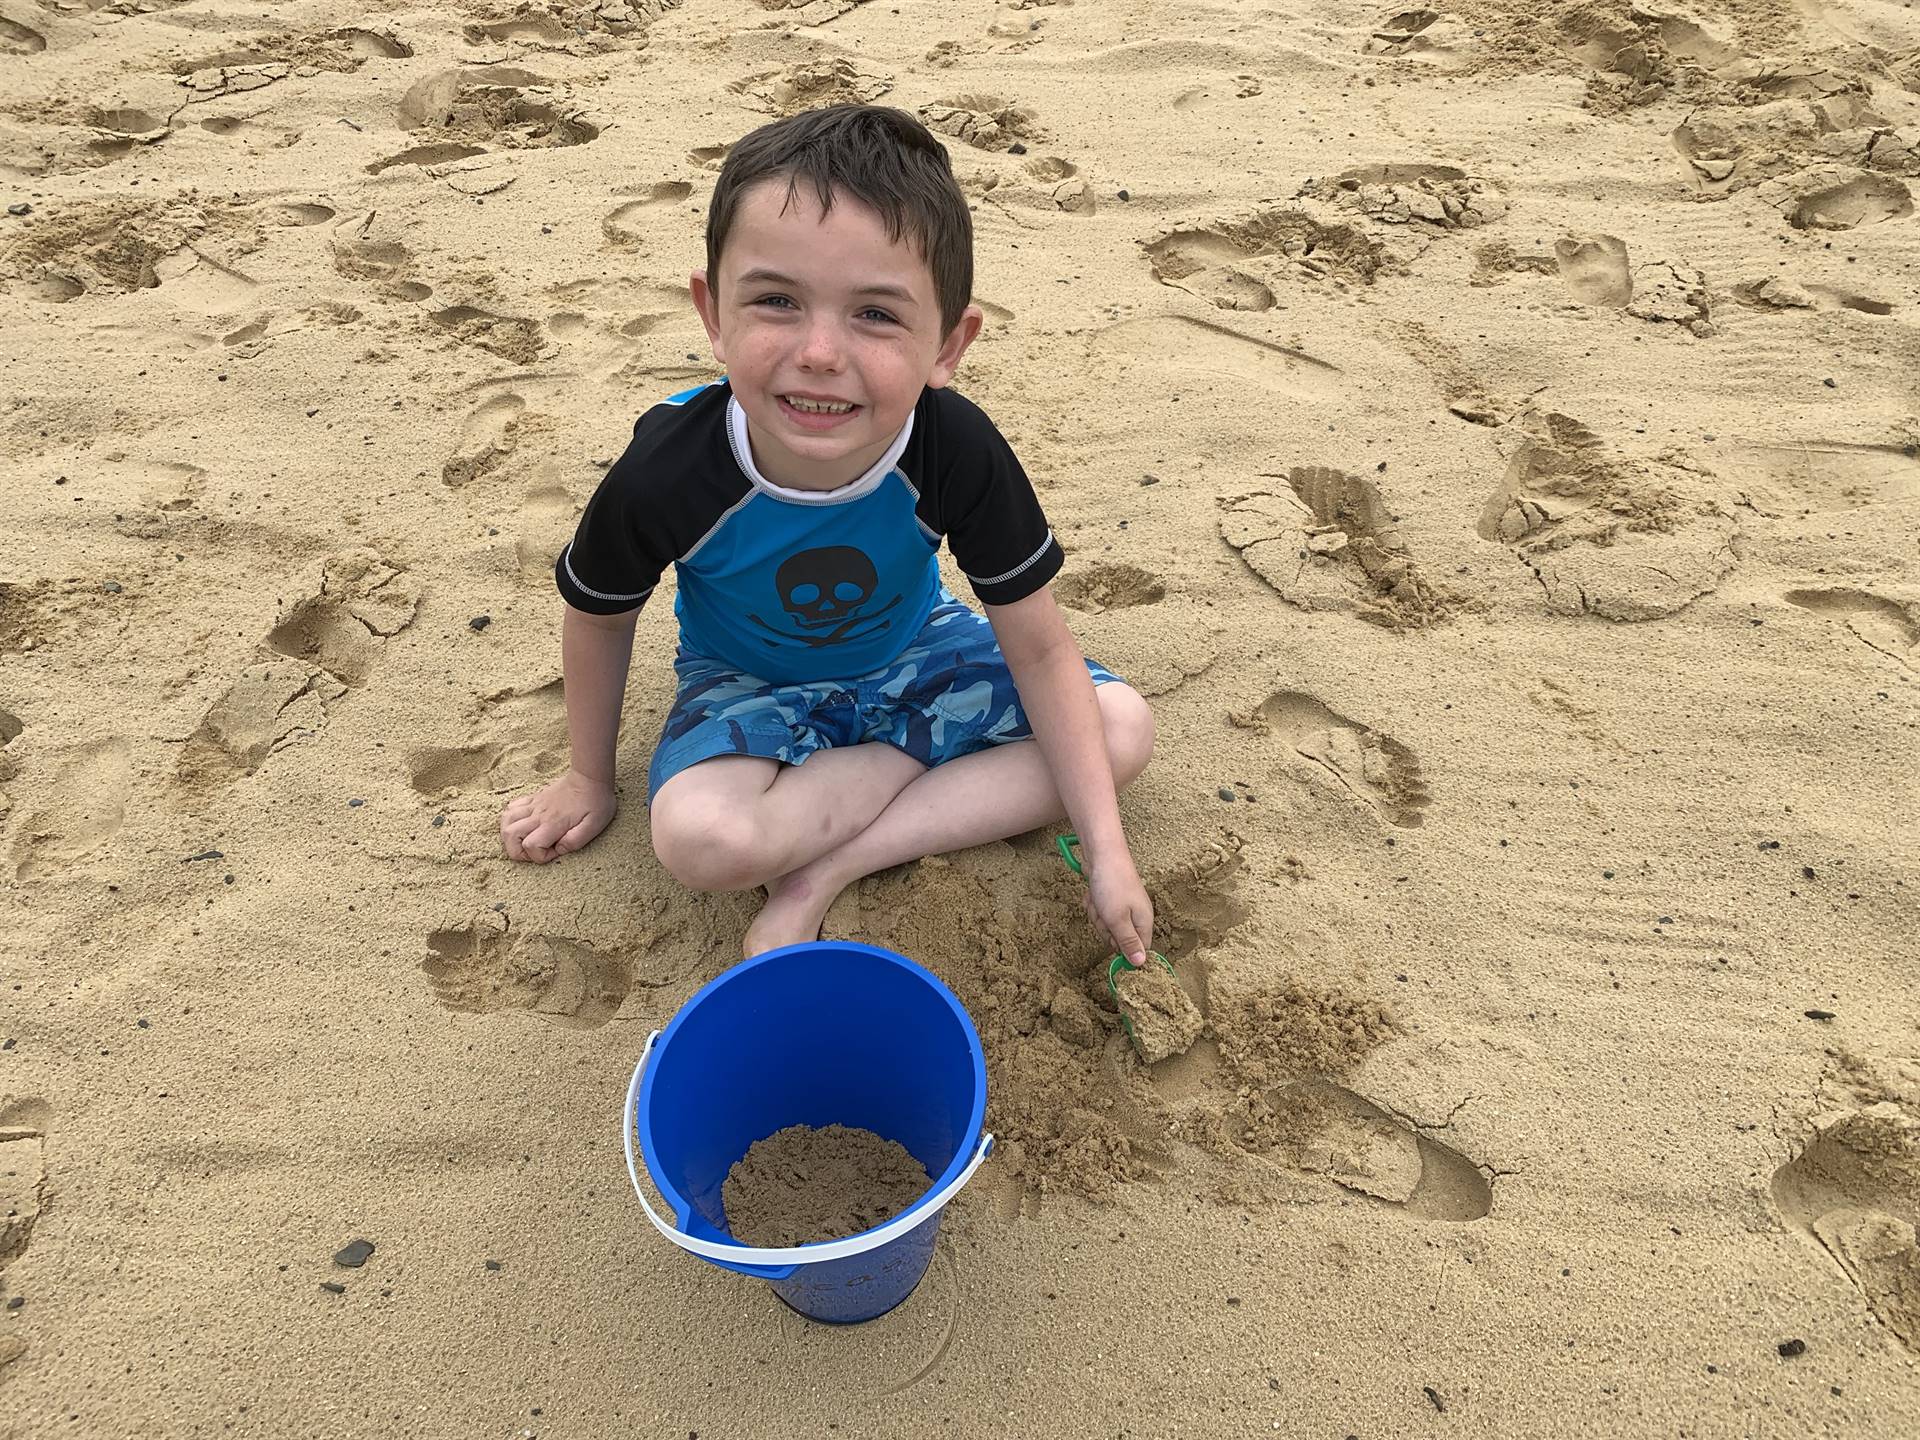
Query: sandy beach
point(1490, 436)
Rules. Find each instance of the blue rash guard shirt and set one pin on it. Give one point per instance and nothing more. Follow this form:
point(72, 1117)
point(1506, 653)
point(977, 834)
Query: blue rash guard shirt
point(799, 585)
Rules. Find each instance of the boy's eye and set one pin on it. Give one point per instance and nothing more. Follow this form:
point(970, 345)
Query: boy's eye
point(774, 300)
point(872, 314)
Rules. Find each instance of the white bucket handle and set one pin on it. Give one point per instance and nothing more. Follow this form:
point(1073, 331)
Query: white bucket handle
point(793, 1254)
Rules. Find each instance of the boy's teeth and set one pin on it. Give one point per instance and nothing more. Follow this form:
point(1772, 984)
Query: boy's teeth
point(819, 407)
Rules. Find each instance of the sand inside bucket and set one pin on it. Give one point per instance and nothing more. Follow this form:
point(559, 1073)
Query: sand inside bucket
point(801, 1185)
point(1165, 1020)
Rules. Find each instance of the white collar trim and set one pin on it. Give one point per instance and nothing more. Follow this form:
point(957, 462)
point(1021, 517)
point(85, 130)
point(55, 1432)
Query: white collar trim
point(738, 442)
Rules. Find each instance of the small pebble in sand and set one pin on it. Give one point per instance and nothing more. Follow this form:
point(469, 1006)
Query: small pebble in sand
point(1016, 148)
point(1224, 793)
point(333, 1287)
point(20, 209)
point(355, 804)
point(1165, 1021)
point(16, 1301)
point(1789, 1349)
point(1819, 1014)
point(479, 622)
point(354, 1254)
point(801, 1185)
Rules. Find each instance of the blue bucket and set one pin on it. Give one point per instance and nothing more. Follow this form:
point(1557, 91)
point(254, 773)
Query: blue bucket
point(821, 1034)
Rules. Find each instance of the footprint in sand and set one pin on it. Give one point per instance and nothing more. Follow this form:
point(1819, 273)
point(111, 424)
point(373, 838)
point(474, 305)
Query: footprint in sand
point(519, 738)
point(482, 968)
point(269, 707)
point(1372, 767)
point(82, 809)
point(545, 522)
point(23, 1178)
point(1437, 196)
point(18, 39)
point(1626, 540)
point(262, 59)
point(1855, 1187)
point(1772, 292)
point(385, 264)
point(1594, 268)
point(112, 246)
point(1837, 197)
point(1326, 1129)
point(462, 113)
point(1103, 586)
point(985, 122)
point(811, 84)
point(488, 437)
point(1329, 543)
point(1421, 34)
point(1818, 475)
point(10, 730)
point(627, 225)
point(1227, 263)
point(363, 600)
point(1879, 622)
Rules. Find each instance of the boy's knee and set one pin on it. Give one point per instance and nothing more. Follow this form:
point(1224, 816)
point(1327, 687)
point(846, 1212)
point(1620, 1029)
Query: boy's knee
point(1129, 726)
point(705, 848)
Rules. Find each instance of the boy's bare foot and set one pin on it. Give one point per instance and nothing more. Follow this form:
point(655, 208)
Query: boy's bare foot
point(796, 908)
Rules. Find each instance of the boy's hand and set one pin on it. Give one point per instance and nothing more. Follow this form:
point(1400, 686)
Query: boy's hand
point(1117, 902)
point(556, 819)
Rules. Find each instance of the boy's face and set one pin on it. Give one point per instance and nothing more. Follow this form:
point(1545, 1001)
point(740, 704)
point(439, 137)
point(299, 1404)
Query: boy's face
point(828, 329)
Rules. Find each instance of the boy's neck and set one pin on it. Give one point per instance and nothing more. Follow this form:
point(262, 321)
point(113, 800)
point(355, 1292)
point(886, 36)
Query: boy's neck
point(793, 473)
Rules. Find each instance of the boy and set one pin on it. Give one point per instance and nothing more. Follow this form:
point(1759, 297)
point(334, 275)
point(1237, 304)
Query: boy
point(836, 711)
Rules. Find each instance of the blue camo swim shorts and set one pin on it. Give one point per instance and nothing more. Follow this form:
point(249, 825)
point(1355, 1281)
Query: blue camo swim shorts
point(948, 694)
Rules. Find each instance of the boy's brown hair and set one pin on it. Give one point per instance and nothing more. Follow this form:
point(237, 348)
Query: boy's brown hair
point(876, 154)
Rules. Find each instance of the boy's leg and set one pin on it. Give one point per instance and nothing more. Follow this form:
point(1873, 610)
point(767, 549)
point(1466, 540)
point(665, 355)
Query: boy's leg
point(737, 821)
point(988, 795)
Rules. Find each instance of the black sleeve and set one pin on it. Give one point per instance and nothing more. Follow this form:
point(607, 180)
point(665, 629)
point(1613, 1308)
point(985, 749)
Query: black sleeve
point(614, 560)
point(987, 508)
point(670, 487)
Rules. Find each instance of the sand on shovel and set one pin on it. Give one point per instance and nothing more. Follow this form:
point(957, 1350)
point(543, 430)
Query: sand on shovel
point(801, 1185)
point(1165, 1020)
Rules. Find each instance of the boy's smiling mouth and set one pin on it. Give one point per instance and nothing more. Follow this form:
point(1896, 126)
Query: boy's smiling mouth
point(816, 412)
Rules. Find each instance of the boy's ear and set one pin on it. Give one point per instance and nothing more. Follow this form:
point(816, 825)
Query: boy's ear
point(963, 334)
point(708, 304)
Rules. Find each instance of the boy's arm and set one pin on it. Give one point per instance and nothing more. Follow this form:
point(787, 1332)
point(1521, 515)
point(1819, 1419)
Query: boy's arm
point(1050, 672)
point(567, 813)
point(594, 654)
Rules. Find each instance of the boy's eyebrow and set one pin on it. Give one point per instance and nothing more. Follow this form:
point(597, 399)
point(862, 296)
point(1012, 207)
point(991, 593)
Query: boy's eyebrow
point(760, 275)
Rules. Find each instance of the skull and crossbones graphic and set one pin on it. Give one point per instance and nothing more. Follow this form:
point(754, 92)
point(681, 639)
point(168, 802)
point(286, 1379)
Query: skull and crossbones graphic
point(825, 592)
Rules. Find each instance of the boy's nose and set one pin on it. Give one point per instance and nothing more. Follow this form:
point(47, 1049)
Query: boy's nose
point(820, 349)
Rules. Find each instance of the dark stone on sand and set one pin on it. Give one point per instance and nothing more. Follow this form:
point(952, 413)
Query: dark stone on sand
point(1433, 1398)
point(1831, 383)
point(1819, 1014)
point(203, 855)
point(493, 1264)
point(141, 1023)
point(355, 804)
point(20, 209)
point(438, 821)
point(16, 1301)
point(1790, 1349)
point(1018, 149)
point(1224, 793)
point(479, 622)
point(1769, 844)
point(353, 1255)
point(112, 587)
point(333, 1287)
point(1125, 196)
point(1806, 872)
